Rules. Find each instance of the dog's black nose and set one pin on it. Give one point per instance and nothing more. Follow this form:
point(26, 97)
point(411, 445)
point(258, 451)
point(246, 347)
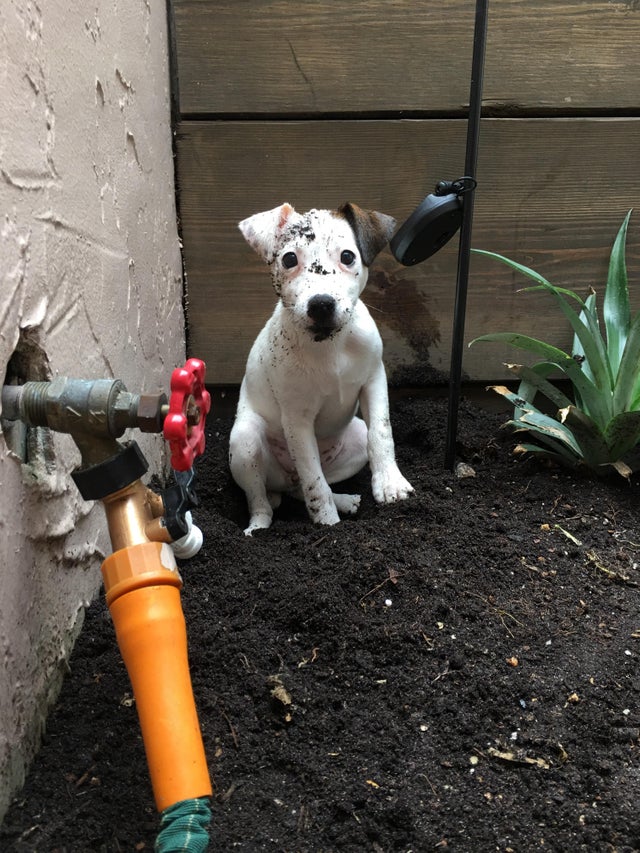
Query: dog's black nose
point(321, 308)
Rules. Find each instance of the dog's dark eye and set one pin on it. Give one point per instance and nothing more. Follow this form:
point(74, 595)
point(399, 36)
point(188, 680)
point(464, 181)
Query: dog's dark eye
point(289, 260)
point(347, 257)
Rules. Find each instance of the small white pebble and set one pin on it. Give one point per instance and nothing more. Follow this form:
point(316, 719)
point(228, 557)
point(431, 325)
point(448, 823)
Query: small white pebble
point(548, 643)
point(388, 602)
point(626, 712)
point(628, 652)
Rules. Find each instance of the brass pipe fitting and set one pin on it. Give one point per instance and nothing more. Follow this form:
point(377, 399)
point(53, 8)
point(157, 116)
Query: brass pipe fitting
point(134, 516)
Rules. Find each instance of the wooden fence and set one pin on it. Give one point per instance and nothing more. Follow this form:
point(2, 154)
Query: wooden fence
point(317, 103)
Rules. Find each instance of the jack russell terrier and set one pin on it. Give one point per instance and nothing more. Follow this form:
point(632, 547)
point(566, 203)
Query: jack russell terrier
point(316, 360)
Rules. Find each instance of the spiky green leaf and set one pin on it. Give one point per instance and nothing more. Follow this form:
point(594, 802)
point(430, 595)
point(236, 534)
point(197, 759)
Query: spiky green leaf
point(592, 346)
point(546, 425)
point(534, 378)
point(576, 350)
point(519, 403)
point(534, 420)
point(622, 434)
point(585, 327)
point(526, 389)
point(551, 451)
point(627, 380)
point(594, 402)
point(593, 446)
point(527, 271)
point(617, 316)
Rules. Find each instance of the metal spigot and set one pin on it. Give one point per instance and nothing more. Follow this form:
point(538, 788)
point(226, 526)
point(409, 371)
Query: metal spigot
point(95, 412)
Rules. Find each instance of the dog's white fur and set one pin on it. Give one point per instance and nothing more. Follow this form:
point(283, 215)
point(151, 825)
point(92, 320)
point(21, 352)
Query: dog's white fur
point(317, 358)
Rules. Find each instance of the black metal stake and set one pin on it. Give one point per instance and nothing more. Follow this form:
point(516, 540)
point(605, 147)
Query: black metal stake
point(464, 250)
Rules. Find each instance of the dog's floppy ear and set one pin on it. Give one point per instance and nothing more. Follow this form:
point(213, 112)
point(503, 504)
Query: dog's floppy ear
point(372, 229)
point(262, 229)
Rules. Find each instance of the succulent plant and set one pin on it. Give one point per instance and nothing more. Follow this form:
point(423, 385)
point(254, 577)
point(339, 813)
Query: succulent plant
point(598, 424)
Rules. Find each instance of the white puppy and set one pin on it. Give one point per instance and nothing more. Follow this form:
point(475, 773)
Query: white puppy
point(318, 357)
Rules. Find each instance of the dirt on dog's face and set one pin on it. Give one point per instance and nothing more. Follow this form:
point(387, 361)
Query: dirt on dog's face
point(319, 260)
point(317, 271)
point(316, 265)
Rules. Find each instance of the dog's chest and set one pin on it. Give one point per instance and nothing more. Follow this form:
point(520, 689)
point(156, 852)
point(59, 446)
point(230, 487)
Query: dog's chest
point(335, 379)
point(329, 367)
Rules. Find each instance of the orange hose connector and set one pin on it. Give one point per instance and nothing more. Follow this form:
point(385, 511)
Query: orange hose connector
point(142, 588)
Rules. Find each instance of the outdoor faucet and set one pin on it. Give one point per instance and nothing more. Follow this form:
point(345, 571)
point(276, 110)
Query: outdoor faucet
point(96, 413)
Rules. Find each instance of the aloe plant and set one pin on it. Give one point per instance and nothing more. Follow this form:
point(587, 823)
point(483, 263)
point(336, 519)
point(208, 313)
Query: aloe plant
point(598, 425)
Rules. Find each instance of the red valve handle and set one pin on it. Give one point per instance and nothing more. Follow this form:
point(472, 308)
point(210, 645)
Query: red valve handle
point(187, 440)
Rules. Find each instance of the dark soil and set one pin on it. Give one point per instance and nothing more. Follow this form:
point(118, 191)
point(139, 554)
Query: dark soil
point(463, 670)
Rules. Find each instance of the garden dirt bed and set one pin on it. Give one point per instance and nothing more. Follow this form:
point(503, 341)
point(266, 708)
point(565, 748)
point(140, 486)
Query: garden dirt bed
point(462, 669)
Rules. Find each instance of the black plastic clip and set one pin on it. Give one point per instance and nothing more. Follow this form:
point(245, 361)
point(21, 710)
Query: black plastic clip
point(433, 223)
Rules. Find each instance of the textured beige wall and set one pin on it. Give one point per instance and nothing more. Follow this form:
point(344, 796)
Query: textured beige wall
point(90, 286)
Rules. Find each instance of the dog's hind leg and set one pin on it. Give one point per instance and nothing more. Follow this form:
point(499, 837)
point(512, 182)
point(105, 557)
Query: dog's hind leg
point(275, 499)
point(346, 504)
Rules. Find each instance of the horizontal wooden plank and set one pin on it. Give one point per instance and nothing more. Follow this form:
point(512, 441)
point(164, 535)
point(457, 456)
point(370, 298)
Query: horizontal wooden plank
point(358, 56)
point(552, 195)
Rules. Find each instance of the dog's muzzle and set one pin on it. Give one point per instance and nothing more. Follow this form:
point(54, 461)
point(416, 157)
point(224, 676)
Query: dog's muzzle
point(321, 309)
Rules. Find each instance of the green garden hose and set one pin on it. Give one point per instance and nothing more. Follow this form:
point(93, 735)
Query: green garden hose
point(185, 827)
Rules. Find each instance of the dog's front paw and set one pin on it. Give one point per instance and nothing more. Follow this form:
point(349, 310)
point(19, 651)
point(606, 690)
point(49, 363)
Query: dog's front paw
point(259, 521)
point(346, 504)
point(389, 486)
point(326, 515)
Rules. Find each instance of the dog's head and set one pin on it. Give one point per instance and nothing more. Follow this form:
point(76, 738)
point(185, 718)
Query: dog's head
point(319, 260)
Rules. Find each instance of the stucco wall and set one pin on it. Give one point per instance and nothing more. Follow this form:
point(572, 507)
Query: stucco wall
point(90, 286)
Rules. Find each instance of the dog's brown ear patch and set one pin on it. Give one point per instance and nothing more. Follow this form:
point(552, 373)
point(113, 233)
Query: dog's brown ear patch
point(372, 230)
